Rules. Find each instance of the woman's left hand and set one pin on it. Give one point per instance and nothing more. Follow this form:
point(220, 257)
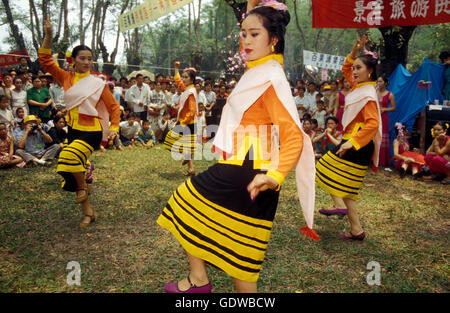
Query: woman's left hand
point(261, 182)
point(346, 146)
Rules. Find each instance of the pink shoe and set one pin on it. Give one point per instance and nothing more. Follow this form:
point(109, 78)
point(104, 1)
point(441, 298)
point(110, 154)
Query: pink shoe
point(173, 288)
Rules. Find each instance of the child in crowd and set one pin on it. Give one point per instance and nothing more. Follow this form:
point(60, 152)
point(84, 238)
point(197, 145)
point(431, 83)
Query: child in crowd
point(315, 126)
point(319, 114)
point(7, 157)
point(129, 130)
point(165, 124)
point(329, 139)
point(6, 115)
point(113, 141)
point(20, 114)
point(146, 136)
point(438, 154)
point(404, 158)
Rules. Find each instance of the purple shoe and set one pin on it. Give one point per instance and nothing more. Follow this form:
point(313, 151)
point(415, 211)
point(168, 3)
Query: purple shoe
point(360, 237)
point(339, 212)
point(89, 178)
point(173, 288)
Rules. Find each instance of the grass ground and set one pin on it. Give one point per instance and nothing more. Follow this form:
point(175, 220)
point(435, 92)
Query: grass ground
point(407, 223)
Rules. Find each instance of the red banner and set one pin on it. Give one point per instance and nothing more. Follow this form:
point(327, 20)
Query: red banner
point(12, 58)
point(378, 13)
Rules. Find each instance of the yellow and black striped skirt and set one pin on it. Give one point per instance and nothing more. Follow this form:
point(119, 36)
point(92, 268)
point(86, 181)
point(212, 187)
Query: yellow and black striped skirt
point(343, 177)
point(74, 157)
point(182, 139)
point(214, 219)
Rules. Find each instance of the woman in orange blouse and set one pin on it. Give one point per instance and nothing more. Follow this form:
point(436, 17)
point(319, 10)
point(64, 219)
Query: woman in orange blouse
point(223, 216)
point(341, 171)
point(183, 137)
point(89, 104)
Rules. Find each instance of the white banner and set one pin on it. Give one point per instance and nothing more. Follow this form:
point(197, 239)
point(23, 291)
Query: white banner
point(149, 11)
point(323, 60)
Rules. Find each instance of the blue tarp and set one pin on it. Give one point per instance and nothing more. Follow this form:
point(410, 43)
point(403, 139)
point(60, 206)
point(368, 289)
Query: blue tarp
point(409, 98)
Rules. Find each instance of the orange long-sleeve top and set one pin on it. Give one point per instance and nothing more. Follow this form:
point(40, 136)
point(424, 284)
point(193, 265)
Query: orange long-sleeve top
point(363, 128)
point(268, 111)
point(67, 80)
point(187, 114)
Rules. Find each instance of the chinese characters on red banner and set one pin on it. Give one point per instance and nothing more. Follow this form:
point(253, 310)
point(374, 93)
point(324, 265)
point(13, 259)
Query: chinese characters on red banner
point(379, 13)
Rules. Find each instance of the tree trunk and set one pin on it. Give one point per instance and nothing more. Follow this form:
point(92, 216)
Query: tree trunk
point(239, 9)
point(394, 51)
point(14, 30)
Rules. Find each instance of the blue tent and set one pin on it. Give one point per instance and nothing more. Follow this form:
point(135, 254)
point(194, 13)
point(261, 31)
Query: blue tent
point(409, 98)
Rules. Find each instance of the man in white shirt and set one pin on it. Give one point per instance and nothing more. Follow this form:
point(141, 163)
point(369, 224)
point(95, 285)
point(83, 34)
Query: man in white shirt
point(301, 102)
point(137, 98)
point(57, 94)
point(157, 105)
point(311, 98)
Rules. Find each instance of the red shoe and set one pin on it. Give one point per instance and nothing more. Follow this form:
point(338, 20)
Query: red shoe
point(173, 288)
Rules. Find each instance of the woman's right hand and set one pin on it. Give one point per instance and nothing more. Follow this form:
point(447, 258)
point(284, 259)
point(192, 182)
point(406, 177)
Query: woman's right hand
point(48, 27)
point(359, 44)
point(176, 64)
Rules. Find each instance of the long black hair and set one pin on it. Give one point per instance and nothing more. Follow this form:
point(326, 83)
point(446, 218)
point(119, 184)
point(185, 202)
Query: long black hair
point(275, 21)
point(79, 48)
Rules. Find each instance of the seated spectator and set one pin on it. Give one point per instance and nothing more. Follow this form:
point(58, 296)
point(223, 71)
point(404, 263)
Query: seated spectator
point(319, 114)
point(30, 140)
point(58, 132)
point(146, 136)
point(306, 116)
point(113, 141)
point(129, 130)
point(19, 97)
point(6, 115)
point(307, 127)
point(438, 154)
point(404, 158)
point(165, 123)
point(7, 157)
point(328, 139)
point(315, 126)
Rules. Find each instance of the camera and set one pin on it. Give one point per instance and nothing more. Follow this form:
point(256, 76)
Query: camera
point(34, 128)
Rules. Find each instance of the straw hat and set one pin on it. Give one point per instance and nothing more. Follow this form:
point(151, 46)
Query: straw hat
point(31, 118)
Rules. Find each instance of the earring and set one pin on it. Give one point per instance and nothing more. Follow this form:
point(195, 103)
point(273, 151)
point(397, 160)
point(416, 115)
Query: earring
point(369, 75)
point(272, 48)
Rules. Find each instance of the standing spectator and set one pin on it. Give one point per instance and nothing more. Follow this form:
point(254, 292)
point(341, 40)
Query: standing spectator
point(30, 140)
point(39, 100)
point(19, 97)
point(6, 115)
point(329, 139)
point(300, 101)
point(340, 101)
point(319, 114)
point(7, 157)
point(23, 65)
point(332, 97)
point(129, 130)
point(311, 97)
point(138, 98)
point(157, 105)
point(57, 94)
point(385, 98)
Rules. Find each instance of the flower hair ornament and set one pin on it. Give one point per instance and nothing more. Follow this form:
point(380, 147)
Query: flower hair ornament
point(190, 69)
point(399, 127)
point(372, 53)
point(273, 4)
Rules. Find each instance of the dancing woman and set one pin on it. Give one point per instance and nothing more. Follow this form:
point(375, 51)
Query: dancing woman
point(224, 215)
point(183, 138)
point(341, 171)
point(89, 104)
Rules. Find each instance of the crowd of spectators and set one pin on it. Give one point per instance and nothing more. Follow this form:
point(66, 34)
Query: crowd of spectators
point(32, 111)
